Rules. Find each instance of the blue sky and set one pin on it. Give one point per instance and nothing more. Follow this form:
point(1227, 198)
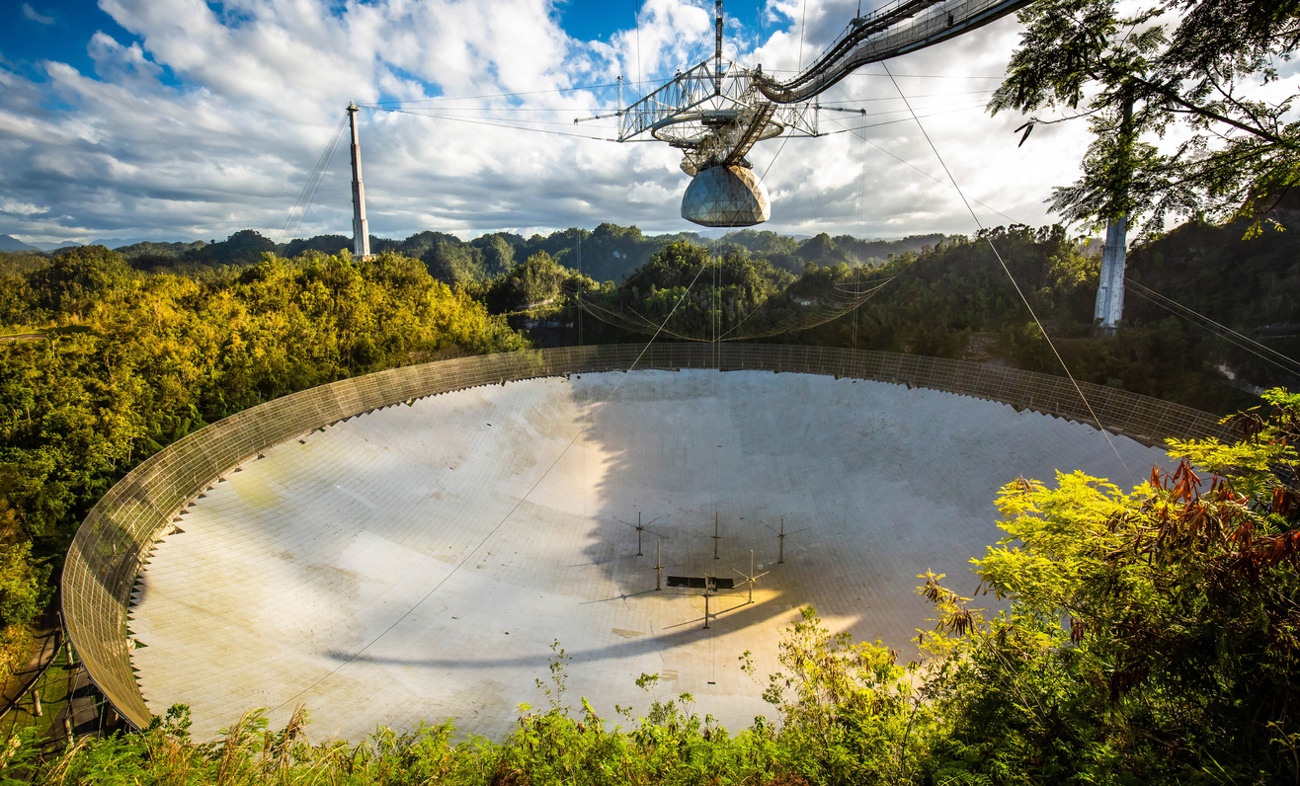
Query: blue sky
point(60, 29)
point(592, 20)
point(180, 119)
point(56, 29)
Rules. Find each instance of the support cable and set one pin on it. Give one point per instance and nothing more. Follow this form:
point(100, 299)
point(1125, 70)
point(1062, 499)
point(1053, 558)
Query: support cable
point(518, 503)
point(640, 323)
point(640, 83)
point(439, 99)
point(867, 100)
point(496, 124)
point(856, 132)
point(1239, 340)
point(1012, 278)
point(638, 43)
point(308, 194)
point(803, 18)
point(578, 236)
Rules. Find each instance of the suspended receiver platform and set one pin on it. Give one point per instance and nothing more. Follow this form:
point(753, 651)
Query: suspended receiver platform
point(716, 111)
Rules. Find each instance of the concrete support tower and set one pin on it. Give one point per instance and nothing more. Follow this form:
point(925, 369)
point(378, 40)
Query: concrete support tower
point(360, 230)
point(1110, 287)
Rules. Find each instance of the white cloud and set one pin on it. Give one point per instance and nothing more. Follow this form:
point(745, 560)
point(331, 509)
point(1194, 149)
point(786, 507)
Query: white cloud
point(120, 64)
point(21, 208)
point(213, 122)
point(31, 14)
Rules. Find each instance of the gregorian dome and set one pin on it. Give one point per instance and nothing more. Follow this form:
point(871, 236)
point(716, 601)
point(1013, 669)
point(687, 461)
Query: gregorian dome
point(726, 196)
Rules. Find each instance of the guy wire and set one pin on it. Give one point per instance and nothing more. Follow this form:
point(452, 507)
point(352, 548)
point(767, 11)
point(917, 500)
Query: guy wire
point(1007, 270)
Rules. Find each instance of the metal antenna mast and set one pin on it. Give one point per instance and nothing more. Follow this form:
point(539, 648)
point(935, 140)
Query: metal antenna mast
point(360, 230)
point(716, 535)
point(717, 47)
point(751, 578)
point(781, 558)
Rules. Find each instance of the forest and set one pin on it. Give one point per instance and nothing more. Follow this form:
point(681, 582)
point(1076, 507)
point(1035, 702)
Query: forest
point(107, 356)
point(123, 363)
point(929, 294)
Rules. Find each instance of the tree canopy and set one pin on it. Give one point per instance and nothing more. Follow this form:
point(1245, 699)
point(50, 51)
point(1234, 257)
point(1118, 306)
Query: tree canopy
point(1151, 635)
point(1190, 69)
point(131, 362)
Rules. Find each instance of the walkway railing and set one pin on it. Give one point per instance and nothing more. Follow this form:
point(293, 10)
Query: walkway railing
point(118, 535)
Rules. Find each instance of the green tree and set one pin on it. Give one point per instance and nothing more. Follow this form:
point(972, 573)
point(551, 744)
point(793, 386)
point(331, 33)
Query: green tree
point(162, 355)
point(326, 244)
point(24, 593)
point(849, 712)
point(819, 249)
point(496, 254)
point(453, 262)
point(242, 248)
point(76, 279)
point(1140, 73)
point(536, 282)
point(1151, 636)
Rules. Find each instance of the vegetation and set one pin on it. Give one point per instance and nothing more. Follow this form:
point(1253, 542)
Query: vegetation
point(539, 284)
point(1149, 635)
point(607, 253)
point(848, 717)
point(950, 299)
point(1179, 67)
point(955, 300)
point(694, 293)
point(139, 361)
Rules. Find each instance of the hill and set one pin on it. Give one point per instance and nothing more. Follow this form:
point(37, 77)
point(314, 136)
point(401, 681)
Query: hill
point(10, 243)
point(607, 253)
point(1201, 274)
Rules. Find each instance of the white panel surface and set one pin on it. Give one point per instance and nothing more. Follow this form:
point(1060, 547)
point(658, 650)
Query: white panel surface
point(416, 563)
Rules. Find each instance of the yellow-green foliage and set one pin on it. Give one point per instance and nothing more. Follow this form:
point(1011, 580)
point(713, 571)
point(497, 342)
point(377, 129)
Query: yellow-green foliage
point(1148, 636)
point(849, 716)
point(23, 595)
point(132, 362)
point(1152, 636)
point(160, 356)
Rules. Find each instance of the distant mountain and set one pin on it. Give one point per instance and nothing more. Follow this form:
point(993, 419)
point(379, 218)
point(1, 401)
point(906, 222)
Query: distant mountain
point(56, 246)
point(119, 242)
point(8, 243)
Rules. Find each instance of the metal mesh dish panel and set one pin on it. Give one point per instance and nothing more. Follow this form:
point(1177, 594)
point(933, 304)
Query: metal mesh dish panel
point(118, 535)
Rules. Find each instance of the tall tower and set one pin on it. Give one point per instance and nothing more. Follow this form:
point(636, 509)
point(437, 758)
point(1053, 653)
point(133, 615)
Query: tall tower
point(360, 230)
point(1110, 286)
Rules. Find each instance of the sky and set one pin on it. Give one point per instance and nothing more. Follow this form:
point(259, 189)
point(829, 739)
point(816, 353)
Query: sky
point(186, 120)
